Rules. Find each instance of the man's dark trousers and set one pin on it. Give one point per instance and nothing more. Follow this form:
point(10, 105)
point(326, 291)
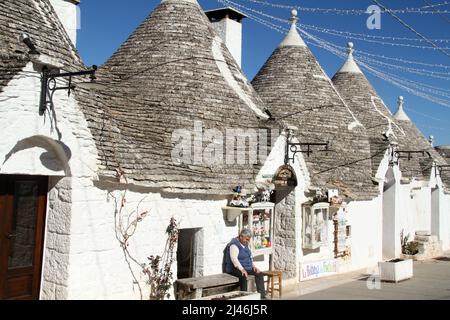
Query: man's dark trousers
point(259, 279)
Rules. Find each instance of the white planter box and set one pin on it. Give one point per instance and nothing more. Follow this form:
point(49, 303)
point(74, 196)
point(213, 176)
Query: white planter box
point(396, 271)
point(234, 295)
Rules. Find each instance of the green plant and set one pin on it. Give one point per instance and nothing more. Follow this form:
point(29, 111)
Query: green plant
point(158, 270)
point(409, 248)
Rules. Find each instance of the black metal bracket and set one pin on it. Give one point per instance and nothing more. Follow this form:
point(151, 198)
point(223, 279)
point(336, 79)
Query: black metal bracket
point(409, 154)
point(442, 168)
point(297, 148)
point(48, 84)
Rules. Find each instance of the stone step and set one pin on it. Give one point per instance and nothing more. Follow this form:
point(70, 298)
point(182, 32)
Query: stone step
point(426, 238)
point(423, 233)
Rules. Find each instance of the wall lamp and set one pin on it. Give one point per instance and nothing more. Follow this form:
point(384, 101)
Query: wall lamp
point(296, 147)
point(49, 85)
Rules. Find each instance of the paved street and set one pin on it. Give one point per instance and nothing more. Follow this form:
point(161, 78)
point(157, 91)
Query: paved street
point(431, 281)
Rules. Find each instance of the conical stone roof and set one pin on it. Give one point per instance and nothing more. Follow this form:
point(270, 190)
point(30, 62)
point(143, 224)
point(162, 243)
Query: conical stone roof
point(419, 167)
point(381, 125)
point(299, 93)
point(174, 73)
point(369, 108)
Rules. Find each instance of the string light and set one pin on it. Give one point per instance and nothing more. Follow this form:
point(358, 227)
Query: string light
point(403, 23)
point(339, 51)
point(349, 11)
point(423, 72)
point(370, 36)
point(349, 35)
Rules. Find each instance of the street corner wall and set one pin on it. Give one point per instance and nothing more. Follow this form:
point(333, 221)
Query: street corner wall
point(98, 267)
point(365, 219)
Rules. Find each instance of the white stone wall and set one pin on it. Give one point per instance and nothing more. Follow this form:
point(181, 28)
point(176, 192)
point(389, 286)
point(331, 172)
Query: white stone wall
point(98, 269)
point(365, 219)
point(415, 209)
point(445, 212)
point(59, 146)
point(43, 145)
point(441, 217)
point(69, 15)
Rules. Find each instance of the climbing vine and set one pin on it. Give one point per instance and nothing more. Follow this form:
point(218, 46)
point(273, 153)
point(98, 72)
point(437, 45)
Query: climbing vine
point(158, 268)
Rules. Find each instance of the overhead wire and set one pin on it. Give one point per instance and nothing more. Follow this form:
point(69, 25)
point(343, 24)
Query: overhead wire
point(336, 50)
point(334, 32)
point(432, 6)
point(419, 10)
point(410, 28)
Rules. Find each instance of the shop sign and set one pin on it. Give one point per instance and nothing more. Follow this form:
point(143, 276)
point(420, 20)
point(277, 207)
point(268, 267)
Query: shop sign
point(285, 177)
point(317, 269)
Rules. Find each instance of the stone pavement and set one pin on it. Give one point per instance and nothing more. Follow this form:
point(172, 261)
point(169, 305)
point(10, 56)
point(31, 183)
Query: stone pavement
point(431, 281)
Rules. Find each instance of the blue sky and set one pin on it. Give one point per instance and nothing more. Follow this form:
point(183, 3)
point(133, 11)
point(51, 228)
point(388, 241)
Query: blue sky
point(106, 24)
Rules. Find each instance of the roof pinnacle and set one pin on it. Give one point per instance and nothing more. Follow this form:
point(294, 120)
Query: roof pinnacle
point(293, 38)
point(401, 114)
point(350, 65)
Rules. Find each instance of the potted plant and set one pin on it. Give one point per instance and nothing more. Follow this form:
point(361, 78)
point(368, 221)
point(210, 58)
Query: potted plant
point(396, 270)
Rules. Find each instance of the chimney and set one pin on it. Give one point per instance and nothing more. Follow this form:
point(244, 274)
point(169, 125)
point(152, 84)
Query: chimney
point(68, 14)
point(228, 24)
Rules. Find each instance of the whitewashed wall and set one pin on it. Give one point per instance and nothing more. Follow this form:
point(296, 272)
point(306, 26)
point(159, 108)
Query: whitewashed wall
point(365, 218)
point(415, 209)
point(97, 267)
point(40, 145)
point(445, 212)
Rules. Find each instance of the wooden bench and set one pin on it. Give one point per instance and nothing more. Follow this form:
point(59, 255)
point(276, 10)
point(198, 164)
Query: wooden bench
point(195, 288)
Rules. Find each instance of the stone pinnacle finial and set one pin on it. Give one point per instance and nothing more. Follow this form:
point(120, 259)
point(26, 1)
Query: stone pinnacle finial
point(350, 49)
point(293, 38)
point(401, 101)
point(401, 114)
point(294, 16)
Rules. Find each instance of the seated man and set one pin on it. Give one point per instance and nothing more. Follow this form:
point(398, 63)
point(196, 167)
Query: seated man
point(239, 262)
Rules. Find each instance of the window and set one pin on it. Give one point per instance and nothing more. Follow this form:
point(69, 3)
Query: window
point(259, 219)
point(315, 225)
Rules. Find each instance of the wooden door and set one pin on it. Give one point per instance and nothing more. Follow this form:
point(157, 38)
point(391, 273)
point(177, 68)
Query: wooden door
point(23, 202)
